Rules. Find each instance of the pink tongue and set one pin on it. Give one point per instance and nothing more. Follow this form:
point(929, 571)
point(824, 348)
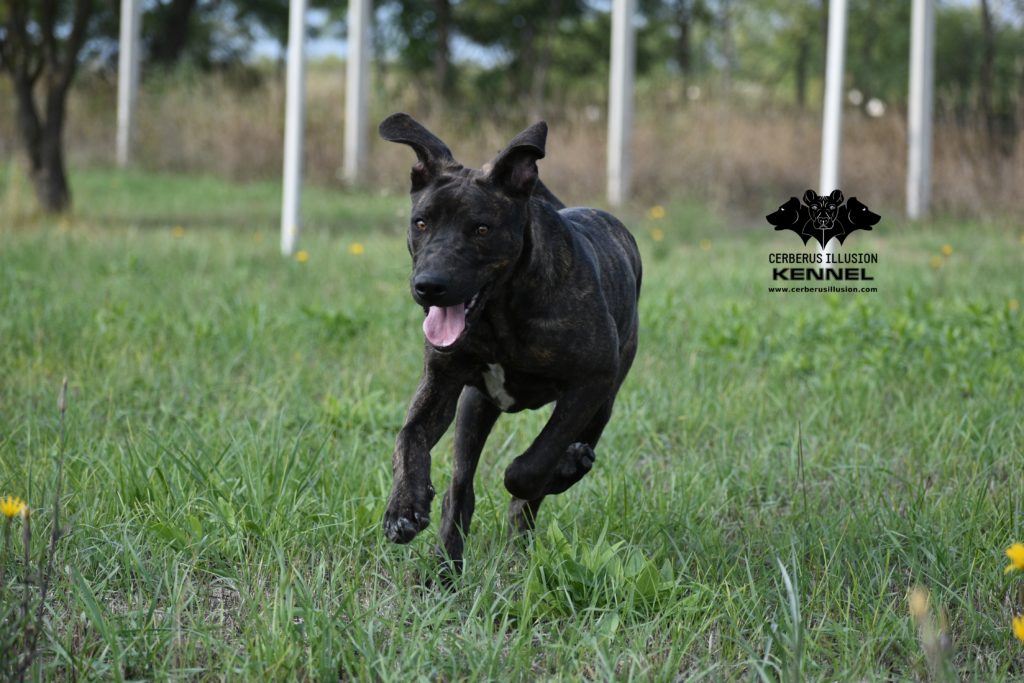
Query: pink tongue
point(444, 324)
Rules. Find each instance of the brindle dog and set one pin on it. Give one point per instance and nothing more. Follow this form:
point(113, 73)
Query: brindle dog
point(527, 302)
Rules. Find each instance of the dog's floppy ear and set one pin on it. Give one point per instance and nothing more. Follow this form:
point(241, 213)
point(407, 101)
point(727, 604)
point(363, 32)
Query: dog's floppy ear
point(836, 196)
point(515, 168)
point(433, 154)
point(810, 197)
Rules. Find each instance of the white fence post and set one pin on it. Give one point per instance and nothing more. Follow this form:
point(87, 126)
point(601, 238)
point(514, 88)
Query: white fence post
point(919, 109)
point(356, 87)
point(832, 118)
point(620, 100)
point(127, 77)
point(295, 95)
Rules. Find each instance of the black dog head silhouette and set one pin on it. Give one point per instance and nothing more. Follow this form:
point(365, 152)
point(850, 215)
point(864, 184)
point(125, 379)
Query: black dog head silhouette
point(790, 214)
point(824, 210)
point(859, 215)
point(794, 216)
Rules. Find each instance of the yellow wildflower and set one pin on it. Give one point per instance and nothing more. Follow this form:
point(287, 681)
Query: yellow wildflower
point(657, 212)
point(1016, 554)
point(1018, 627)
point(947, 249)
point(12, 505)
point(935, 262)
point(705, 245)
point(302, 256)
point(657, 234)
point(178, 231)
point(1013, 304)
point(356, 249)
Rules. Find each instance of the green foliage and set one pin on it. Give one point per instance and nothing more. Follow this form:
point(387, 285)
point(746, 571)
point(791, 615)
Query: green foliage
point(417, 32)
point(878, 49)
point(779, 471)
point(959, 40)
point(584, 575)
point(560, 49)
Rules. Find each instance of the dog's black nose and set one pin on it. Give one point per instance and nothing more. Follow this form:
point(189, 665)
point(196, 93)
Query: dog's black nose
point(430, 286)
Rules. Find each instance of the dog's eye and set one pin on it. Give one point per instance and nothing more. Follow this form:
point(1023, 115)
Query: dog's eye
point(831, 206)
point(482, 230)
point(421, 225)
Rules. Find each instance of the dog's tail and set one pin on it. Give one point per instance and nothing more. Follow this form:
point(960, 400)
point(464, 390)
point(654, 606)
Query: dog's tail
point(541, 191)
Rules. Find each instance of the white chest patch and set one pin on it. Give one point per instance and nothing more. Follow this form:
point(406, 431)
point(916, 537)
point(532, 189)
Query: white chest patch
point(494, 380)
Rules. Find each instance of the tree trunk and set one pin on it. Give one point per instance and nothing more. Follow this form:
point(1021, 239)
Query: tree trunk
point(988, 56)
point(172, 34)
point(539, 77)
point(823, 33)
point(442, 59)
point(1020, 99)
point(27, 55)
point(49, 177)
point(684, 22)
point(523, 74)
point(728, 45)
point(803, 54)
point(43, 142)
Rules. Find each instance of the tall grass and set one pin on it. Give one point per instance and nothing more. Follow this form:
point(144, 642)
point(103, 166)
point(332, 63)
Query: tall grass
point(779, 473)
point(743, 152)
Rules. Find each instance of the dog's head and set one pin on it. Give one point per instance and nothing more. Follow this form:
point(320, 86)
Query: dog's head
point(467, 227)
point(788, 215)
point(860, 215)
point(823, 209)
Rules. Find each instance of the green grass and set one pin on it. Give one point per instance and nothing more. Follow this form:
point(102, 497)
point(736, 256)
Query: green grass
point(108, 198)
point(779, 472)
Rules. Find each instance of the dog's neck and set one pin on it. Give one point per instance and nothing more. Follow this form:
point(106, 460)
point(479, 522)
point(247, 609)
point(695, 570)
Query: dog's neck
point(542, 267)
point(545, 233)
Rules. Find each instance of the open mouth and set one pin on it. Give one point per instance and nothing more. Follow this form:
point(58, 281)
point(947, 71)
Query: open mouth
point(444, 326)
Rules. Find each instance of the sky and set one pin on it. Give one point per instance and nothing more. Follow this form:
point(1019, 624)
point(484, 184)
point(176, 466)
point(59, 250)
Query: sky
point(266, 47)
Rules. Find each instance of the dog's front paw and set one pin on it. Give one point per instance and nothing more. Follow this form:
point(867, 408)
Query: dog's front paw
point(577, 461)
point(408, 512)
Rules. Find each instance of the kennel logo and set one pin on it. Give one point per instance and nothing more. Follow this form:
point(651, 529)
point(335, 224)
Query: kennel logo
point(822, 219)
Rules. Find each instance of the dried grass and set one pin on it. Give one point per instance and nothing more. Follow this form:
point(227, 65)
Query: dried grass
point(742, 154)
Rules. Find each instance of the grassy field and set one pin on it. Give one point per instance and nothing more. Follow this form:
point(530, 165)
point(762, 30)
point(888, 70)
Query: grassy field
point(781, 469)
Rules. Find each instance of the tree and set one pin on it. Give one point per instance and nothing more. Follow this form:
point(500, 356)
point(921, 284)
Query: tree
point(781, 47)
point(684, 14)
point(988, 60)
point(39, 46)
point(424, 31)
point(525, 32)
point(173, 19)
point(442, 58)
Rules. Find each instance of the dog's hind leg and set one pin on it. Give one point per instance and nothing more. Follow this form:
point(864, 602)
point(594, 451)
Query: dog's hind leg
point(475, 418)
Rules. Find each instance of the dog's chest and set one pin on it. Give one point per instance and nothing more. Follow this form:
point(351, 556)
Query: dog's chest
point(494, 382)
point(513, 390)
